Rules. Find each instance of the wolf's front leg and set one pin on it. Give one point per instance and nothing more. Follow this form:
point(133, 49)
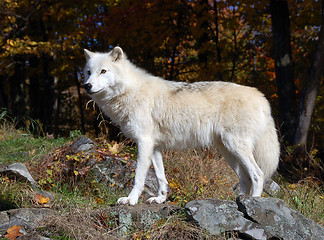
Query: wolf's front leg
point(160, 175)
point(145, 151)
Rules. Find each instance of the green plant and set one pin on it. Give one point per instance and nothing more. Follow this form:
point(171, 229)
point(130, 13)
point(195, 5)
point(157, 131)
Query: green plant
point(75, 134)
point(15, 194)
point(306, 196)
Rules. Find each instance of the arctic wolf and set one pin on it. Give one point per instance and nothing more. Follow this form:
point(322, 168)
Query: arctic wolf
point(159, 114)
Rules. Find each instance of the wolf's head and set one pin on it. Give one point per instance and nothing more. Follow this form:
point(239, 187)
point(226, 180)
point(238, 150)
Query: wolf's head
point(102, 73)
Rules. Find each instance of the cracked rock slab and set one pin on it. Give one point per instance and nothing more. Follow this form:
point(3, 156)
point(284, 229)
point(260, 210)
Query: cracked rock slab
point(278, 220)
point(253, 218)
point(221, 216)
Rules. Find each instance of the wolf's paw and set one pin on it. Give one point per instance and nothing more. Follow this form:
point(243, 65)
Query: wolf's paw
point(158, 199)
point(126, 200)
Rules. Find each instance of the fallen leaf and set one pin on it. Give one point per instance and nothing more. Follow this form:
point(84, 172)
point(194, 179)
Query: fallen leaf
point(32, 152)
point(114, 149)
point(99, 200)
point(41, 199)
point(13, 232)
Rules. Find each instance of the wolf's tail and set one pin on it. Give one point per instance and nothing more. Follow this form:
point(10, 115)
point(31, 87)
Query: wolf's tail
point(267, 151)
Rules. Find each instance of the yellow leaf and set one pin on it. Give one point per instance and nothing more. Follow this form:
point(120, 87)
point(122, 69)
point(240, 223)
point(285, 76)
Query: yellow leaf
point(32, 43)
point(99, 200)
point(76, 173)
point(11, 42)
point(292, 186)
point(41, 199)
point(13, 232)
point(114, 149)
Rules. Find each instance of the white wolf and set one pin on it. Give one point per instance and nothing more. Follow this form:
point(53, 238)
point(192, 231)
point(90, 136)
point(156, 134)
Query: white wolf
point(159, 114)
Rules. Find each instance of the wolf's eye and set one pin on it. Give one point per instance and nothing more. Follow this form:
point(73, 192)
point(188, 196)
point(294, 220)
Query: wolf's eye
point(103, 71)
point(89, 73)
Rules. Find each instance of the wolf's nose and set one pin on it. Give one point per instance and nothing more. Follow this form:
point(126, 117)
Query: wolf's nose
point(87, 86)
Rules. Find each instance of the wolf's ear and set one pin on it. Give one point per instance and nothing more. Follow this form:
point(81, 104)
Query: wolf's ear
point(88, 54)
point(117, 54)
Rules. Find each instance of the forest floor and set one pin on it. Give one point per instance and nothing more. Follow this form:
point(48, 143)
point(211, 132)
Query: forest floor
point(191, 175)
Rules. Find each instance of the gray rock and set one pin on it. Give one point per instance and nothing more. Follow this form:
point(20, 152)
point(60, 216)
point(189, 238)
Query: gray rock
point(271, 187)
point(253, 218)
point(118, 172)
point(141, 216)
point(82, 144)
point(220, 216)
point(4, 219)
point(278, 220)
point(26, 217)
point(19, 172)
point(115, 171)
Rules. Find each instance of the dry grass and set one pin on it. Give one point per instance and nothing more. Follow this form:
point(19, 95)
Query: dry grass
point(96, 224)
point(175, 228)
point(198, 175)
point(79, 224)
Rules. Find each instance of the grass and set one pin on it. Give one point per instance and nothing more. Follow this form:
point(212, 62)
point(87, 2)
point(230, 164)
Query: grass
point(22, 146)
point(81, 200)
point(198, 174)
point(305, 196)
point(15, 194)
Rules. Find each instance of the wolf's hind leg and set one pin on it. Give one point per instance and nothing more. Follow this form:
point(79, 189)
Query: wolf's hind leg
point(230, 158)
point(252, 178)
point(245, 182)
point(250, 175)
point(160, 175)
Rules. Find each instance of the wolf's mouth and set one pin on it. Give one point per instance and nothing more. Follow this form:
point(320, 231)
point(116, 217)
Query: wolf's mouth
point(90, 92)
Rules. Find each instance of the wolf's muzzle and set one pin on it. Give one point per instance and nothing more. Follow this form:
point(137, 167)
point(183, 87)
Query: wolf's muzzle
point(87, 87)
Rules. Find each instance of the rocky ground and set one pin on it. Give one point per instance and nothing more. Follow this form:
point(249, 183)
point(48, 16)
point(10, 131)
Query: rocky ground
point(247, 218)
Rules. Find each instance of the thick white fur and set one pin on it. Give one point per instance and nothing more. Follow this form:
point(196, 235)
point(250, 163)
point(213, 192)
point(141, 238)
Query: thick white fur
point(160, 114)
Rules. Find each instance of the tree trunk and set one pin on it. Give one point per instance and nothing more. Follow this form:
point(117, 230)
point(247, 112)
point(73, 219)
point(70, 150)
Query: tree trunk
point(3, 95)
point(56, 108)
point(201, 9)
point(17, 102)
point(310, 91)
point(173, 73)
point(284, 69)
point(48, 95)
point(34, 89)
point(80, 100)
point(218, 49)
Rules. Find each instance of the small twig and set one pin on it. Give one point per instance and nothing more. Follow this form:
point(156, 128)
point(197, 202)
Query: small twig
point(115, 229)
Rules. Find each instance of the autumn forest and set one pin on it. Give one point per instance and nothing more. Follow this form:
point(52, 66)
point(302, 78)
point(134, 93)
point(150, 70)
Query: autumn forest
point(274, 45)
